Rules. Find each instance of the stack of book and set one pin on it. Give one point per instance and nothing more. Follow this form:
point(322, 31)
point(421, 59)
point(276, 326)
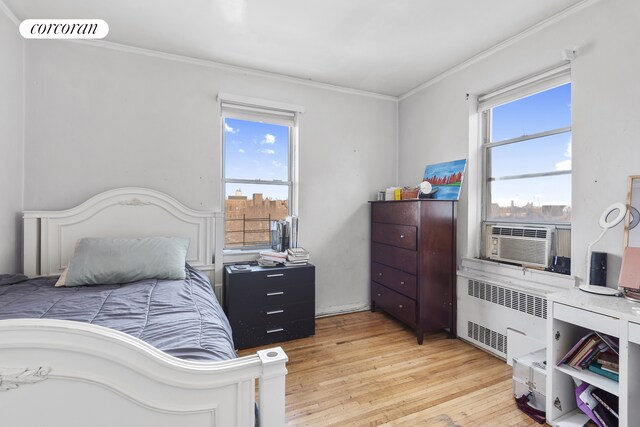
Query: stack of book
point(297, 256)
point(271, 258)
point(596, 352)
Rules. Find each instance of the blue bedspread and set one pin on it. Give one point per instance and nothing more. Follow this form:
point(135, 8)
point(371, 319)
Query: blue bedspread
point(180, 317)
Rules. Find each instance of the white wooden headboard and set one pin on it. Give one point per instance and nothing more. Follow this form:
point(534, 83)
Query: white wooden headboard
point(50, 236)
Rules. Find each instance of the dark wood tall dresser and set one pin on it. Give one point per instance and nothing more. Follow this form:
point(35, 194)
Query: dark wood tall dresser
point(413, 262)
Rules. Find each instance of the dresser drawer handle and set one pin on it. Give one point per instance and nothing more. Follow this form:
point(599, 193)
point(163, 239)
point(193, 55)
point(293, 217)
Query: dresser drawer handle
point(274, 312)
point(275, 275)
point(402, 236)
point(379, 295)
point(272, 331)
point(400, 306)
point(380, 274)
point(402, 283)
point(271, 294)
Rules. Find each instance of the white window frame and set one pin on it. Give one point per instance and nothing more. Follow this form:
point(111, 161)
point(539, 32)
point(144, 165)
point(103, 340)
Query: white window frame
point(261, 110)
point(539, 83)
point(531, 85)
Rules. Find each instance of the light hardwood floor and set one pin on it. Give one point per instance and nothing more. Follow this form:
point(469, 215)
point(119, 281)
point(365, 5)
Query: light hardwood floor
point(365, 369)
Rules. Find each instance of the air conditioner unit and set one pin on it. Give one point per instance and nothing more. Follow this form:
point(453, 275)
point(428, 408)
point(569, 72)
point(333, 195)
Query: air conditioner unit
point(526, 245)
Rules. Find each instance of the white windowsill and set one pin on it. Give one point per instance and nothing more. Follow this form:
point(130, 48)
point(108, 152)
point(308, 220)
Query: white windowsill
point(531, 280)
point(240, 255)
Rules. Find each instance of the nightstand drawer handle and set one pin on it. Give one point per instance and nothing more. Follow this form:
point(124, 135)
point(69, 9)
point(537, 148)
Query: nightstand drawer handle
point(275, 275)
point(402, 283)
point(379, 295)
point(380, 274)
point(400, 306)
point(271, 294)
point(275, 312)
point(275, 330)
point(402, 236)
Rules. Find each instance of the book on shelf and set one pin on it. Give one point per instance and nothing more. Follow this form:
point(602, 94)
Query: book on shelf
point(576, 347)
point(585, 350)
point(589, 349)
point(597, 368)
point(612, 342)
point(609, 360)
point(606, 368)
point(592, 354)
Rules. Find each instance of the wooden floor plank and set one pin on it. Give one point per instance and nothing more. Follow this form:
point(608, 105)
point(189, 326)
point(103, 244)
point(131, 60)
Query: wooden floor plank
point(365, 369)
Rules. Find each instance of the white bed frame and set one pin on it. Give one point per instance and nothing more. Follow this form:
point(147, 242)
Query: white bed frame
point(61, 373)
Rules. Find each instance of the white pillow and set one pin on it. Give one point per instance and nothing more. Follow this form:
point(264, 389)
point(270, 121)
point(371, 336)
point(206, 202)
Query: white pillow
point(113, 260)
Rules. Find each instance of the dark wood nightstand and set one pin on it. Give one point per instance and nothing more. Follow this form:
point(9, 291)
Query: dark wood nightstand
point(269, 304)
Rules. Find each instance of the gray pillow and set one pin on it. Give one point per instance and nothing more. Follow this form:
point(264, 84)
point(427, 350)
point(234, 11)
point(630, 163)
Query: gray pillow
point(107, 260)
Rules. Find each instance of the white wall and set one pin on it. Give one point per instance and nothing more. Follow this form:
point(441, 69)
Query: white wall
point(11, 145)
point(434, 123)
point(100, 118)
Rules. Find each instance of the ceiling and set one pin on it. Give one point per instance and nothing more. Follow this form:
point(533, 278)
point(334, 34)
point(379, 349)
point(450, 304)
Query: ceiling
point(383, 46)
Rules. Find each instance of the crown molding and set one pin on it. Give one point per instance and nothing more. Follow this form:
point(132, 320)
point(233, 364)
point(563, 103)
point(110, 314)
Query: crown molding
point(327, 86)
point(233, 68)
point(502, 45)
point(9, 13)
point(213, 64)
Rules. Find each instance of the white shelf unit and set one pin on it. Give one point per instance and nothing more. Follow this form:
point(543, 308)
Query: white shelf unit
point(571, 315)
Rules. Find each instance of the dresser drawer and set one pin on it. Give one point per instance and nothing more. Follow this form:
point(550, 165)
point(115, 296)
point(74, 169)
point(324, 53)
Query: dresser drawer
point(268, 289)
point(253, 337)
point(272, 316)
point(401, 259)
point(403, 236)
point(267, 298)
point(269, 280)
point(395, 212)
point(397, 280)
point(397, 305)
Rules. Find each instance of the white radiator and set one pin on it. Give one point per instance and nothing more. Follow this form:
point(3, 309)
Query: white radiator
point(487, 309)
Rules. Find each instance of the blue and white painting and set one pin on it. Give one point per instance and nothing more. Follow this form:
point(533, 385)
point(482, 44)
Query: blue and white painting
point(446, 178)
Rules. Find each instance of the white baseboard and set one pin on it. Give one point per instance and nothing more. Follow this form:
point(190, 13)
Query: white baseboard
point(343, 309)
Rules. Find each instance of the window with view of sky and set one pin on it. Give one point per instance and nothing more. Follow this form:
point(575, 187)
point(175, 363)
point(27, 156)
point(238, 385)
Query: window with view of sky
point(530, 179)
point(257, 182)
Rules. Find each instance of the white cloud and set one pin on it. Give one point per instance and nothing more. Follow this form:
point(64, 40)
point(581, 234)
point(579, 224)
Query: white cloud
point(278, 164)
point(565, 165)
point(269, 139)
point(229, 129)
point(240, 150)
point(268, 151)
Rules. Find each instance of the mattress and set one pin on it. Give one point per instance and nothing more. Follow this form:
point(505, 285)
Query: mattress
point(180, 317)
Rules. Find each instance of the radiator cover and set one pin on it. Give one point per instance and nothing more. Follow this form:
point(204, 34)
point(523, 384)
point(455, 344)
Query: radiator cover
point(486, 309)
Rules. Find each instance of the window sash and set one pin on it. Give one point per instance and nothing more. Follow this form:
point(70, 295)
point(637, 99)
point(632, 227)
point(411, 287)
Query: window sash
point(252, 109)
point(539, 82)
point(527, 87)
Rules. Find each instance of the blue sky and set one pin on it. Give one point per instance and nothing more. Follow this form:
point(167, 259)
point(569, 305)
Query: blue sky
point(255, 150)
point(543, 111)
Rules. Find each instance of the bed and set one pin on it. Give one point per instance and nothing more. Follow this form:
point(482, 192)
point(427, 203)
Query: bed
point(132, 354)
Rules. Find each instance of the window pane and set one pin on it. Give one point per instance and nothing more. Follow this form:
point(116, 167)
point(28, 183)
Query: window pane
point(255, 150)
point(531, 199)
point(548, 154)
point(540, 112)
point(249, 208)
